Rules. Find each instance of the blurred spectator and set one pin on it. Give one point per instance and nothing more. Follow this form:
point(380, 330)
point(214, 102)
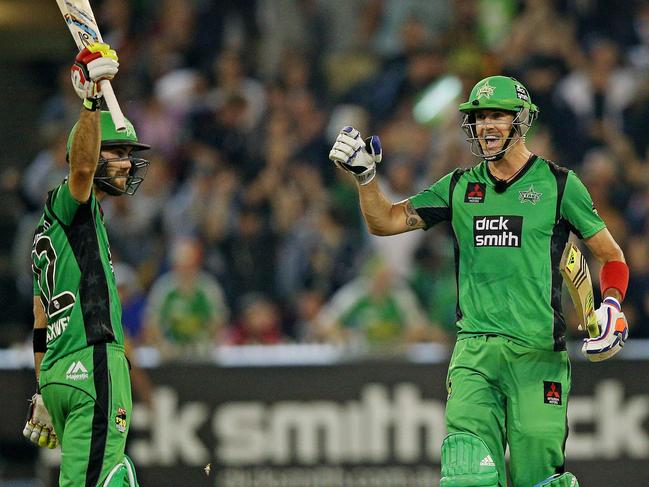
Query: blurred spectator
point(374, 311)
point(46, 171)
point(186, 309)
point(258, 323)
point(133, 301)
point(599, 93)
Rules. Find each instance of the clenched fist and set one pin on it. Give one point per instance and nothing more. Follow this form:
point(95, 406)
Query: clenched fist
point(355, 155)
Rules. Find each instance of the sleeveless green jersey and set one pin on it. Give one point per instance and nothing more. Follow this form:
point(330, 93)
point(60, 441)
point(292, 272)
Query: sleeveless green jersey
point(508, 246)
point(73, 275)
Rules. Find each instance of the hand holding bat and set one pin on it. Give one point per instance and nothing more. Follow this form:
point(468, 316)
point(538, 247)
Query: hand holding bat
point(93, 64)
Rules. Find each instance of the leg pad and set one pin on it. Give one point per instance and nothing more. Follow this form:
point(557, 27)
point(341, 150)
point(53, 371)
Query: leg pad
point(467, 462)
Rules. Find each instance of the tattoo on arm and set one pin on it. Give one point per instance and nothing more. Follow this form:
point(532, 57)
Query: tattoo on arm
point(413, 220)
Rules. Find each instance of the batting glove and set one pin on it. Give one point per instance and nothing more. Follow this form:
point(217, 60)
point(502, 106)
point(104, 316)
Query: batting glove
point(356, 156)
point(614, 332)
point(39, 428)
point(93, 64)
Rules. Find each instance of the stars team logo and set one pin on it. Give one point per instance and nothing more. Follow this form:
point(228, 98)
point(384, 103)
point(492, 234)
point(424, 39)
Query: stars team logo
point(486, 90)
point(529, 195)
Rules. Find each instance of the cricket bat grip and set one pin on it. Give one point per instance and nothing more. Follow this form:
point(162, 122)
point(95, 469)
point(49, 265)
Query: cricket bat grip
point(111, 101)
point(592, 326)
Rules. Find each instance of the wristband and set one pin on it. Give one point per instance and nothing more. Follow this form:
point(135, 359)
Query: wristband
point(365, 177)
point(40, 340)
point(614, 274)
point(92, 104)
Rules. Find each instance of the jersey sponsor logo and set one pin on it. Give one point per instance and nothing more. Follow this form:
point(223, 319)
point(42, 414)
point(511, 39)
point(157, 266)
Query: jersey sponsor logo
point(475, 193)
point(552, 392)
point(497, 231)
point(76, 371)
point(521, 93)
point(529, 195)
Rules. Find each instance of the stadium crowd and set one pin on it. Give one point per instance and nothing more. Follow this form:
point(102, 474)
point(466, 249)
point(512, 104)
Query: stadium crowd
point(244, 232)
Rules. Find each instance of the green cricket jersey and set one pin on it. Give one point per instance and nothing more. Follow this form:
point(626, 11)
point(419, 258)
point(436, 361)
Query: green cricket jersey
point(73, 275)
point(508, 246)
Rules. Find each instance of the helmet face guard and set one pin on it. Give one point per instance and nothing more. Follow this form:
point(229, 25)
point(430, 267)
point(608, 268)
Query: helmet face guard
point(110, 137)
point(504, 94)
point(520, 125)
point(134, 178)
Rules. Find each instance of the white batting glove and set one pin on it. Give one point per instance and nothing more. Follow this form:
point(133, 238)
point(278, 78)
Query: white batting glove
point(39, 428)
point(93, 64)
point(614, 332)
point(356, 156)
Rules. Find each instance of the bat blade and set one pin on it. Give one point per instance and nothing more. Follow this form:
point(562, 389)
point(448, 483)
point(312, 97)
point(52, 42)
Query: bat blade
point(576, 276)
point(81, 22)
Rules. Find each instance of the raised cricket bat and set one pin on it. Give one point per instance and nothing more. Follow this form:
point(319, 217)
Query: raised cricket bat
point(83, 27)
point(576, 275)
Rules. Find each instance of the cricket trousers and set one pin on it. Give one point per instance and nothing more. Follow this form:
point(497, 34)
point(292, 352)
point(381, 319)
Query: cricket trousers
point(88, 396)
point(512, 395)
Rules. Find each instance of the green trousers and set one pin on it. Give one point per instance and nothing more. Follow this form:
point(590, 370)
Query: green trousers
point(512, 395)
point(88, 396)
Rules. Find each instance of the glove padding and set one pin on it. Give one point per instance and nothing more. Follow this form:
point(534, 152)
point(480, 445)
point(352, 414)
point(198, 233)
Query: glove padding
point(92, 65)
point(614, 332)
point(356, 156)
point(39, 428)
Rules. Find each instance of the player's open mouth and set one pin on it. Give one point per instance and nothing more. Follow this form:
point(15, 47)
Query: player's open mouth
point(492, 142)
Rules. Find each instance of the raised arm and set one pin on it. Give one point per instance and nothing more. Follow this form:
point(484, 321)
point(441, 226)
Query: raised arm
point(84, 155)
point(384, 217)
point(93, 64)
point(359, 158)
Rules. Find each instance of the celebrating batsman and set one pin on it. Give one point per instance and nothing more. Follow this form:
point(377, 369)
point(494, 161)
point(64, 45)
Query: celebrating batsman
point(511, 215)
point(84, 396)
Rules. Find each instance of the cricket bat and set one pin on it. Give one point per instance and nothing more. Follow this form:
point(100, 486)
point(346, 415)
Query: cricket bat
point(83, 27)
point(576, 275)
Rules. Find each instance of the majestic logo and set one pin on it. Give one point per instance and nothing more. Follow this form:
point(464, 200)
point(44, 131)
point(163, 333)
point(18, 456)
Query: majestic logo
point(475, 193)
point(120, 420)
point(529, 195)
point(497, 231)
point(76, 371)
point(552, 392)
point(486, 90)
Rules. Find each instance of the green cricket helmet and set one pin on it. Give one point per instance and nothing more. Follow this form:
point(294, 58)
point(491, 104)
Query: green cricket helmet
point(110, 137)
point(498, 93)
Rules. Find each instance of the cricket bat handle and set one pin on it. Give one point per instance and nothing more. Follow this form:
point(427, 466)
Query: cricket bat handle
point(113, 106)
point(591, 325)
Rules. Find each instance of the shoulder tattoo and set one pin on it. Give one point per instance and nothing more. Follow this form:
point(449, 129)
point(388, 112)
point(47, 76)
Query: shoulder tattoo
point(413, 220)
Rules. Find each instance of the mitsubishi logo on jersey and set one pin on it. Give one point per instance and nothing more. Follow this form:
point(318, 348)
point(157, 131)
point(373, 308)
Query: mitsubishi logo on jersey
point(552, 392)
point(497, 231)
point(475, 193)
point(76, 371)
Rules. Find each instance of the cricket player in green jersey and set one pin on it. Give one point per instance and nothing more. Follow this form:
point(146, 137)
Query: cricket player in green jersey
point(84, 396)
point(511, 216)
